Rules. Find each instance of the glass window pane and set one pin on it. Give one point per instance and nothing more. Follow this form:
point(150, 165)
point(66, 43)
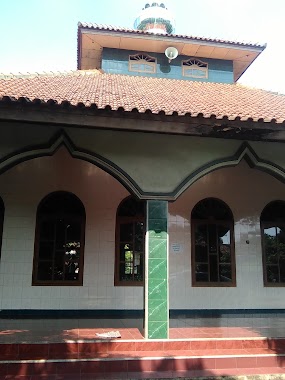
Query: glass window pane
point(126, 232)
point(201, 247)
point(272, 273)
point(270, 243)
point(224, 243)
point(45, 271)
point(138, 266)
point(58, 272)
point(73, 231)
point(61, 227)
point(47, 230)
point(212, 238)
point(129, 257)
point(201, 273)
point(201, 254)
point(139, 236)
point(59, 257)
point(46, 250)
point(126, 272)
point(213, 259)
point(224, 235)
point(225, 273)
point(72, 244)
point(281, 240)
point(282, 267)
point(71, 271)
point(212, 208)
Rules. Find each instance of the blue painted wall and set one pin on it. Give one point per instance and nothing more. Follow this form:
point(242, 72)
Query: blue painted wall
point(117, 62)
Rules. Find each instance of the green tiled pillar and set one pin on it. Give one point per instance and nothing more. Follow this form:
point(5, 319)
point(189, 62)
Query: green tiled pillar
point(156, 271)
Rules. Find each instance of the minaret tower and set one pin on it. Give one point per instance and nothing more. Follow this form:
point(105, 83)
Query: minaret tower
point(155, 18)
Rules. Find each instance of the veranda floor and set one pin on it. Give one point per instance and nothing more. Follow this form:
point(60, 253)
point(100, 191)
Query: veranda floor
point(63, 330)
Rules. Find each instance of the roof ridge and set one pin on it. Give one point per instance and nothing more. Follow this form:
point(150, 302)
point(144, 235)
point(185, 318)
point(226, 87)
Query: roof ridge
point(28, 75)
point(92, 25)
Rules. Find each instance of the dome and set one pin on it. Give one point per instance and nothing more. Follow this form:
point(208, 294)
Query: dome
point(155, 18)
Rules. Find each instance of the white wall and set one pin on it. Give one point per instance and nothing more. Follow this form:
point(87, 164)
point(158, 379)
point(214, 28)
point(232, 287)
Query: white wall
point(247, 192)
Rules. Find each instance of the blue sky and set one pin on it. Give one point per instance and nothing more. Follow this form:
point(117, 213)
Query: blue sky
point(41, 35)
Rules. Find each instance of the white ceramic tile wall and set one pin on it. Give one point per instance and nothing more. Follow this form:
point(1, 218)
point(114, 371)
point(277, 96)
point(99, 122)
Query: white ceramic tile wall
point(22, 188)
point(247, 192)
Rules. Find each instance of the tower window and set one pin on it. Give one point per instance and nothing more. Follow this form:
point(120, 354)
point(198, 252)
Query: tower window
point(194, 68)
point(142, 63)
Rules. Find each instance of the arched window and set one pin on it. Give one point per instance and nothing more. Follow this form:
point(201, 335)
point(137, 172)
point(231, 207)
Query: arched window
point(194, 68)
point(59, 240)
point(142, 63)
point(273, 243)
point(130, 239)
point(213, 259)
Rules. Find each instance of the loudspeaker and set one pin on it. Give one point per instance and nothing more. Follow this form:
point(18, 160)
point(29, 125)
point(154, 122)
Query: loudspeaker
point(171, 53)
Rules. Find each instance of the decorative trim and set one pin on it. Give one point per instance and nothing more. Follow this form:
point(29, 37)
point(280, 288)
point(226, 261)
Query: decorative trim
point(138, 63)
point(245, 152)
point(126, 314)
point(216, 313)
point(194, 68)
point(62, 139)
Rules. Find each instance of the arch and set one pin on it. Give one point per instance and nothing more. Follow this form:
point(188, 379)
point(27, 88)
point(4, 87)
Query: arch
point(245, 152)
point(130, 242)
point(212, 253)
point(59, 240)
point(272, 223)
point(62, 139)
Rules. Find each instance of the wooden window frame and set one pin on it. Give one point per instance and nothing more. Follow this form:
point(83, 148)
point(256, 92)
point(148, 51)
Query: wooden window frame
point(263, 225)
point(54, 217)
point(143, 59)
point(194, 63)
point(227, 223)
point(119, 221)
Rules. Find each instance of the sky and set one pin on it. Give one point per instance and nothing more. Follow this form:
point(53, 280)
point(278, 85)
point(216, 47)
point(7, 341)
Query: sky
point(41, 35)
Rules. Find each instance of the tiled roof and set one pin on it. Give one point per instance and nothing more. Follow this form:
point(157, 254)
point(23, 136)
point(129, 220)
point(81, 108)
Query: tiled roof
point(144, 94)
point(111, 28)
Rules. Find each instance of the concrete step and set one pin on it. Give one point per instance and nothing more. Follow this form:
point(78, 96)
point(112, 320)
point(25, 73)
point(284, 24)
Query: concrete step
point(111, 348)
point(142, 359)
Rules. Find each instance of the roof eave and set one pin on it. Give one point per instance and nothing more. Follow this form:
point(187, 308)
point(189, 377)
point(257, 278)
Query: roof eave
point(182, 43)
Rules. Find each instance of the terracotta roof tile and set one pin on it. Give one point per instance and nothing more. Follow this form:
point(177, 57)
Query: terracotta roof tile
point(154, 94)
